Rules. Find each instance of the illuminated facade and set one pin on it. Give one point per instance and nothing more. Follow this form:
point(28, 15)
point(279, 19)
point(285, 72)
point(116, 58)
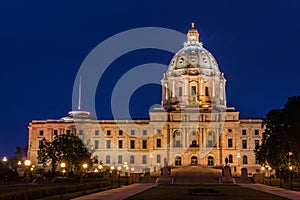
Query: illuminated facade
point(193, 126)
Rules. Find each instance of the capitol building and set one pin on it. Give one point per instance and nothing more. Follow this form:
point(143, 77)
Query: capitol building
point(193, 126)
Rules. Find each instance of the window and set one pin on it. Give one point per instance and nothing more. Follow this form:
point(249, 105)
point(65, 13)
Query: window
point(193, 133)
point(96, 132)
point(177, 161)
point(158, 143)
point(180, 91)
point(209, 143)
point(244, 144)
point(68, 131)
point(107, 159)
point(206, 91)
point(256, 132)
point(120, 132)
point(55, 132)
point(132, 142)
point(108, 144)
point(194, 143)
point(144, 144)
point(229, 142)
point(158, 158)
point(256, 143)
point(177, 143)
point(193, 90)
point(41, 133)
point(120, 159)
point(120, 144)
point(144, 159)
point(96, 144)
point(80, 132)
point(230, 159)
point(244, 132)
point(131, 160)
point(245, 160)
point(132, 132)
point(108, 132)
point(144, 132)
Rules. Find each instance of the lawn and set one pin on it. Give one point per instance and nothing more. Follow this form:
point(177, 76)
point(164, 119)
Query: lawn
point(224, 192)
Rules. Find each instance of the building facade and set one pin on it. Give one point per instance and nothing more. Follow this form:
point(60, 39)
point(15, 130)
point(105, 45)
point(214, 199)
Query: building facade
point(193, 126)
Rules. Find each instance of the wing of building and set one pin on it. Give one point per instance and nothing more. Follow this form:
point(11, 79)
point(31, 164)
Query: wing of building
point(193, 126)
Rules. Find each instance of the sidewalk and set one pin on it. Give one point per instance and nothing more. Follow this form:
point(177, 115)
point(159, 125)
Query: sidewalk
point(118, 193)
point(290, 194)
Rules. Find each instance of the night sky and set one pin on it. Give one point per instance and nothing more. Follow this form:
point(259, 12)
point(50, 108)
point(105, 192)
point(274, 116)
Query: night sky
point(43, 44)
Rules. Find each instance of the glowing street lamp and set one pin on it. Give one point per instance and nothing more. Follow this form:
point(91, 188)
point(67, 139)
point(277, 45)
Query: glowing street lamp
point(119, 171)
point(132, 171)
point(19, 163)
point(4, 159)
point(126, 171)
point(100, 167)
point(62, 166)
point(84, 174)
point(27, 164)
point(112, 168)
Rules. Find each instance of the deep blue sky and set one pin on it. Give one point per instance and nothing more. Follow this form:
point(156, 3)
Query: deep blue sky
point(43, 43)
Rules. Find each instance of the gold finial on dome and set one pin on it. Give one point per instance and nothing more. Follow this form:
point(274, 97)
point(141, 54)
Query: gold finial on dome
point(193, 35)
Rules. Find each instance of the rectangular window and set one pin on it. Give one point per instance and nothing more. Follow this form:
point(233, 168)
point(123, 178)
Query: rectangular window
point(55, 132)
point(144, 132)
point(180, 91)
point(209, 143)
point(120, 144)
point(120, 132)
point(158, 143)
point(256, 132)
point(132, 144)
point(41, 133)
point(131, 160)
point(177, 143)
point(256, 142)
point(244, 132)
point(68, 131)
point(144, 144)
point(158, 158)
point(206, 91)
point(229, 142)
point(244, 144)
point(193, 88)
point(96, 144)
point(80, 132)
point(132, 132)
point(96, 132)
point(108, 142)
point(108, 132)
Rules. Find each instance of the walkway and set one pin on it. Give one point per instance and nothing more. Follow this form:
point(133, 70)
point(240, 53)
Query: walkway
point(290, 194)
point(118, 193)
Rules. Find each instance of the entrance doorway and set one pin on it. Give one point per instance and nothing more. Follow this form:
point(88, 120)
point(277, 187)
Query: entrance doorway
point(210, 161)
point(178, 161)
point(194, 161)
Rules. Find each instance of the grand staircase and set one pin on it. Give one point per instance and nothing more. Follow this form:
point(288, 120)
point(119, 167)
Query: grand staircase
point(194, 175)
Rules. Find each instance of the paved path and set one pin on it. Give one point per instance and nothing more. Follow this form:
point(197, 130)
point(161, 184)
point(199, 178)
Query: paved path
point(118, 193)
point(290, 194)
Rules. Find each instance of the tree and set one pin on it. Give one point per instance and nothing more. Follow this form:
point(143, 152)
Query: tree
point(280, 146)
point(64, 148)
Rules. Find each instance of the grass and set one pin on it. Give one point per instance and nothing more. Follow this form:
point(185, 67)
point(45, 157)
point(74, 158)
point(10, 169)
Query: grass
point(230, 192)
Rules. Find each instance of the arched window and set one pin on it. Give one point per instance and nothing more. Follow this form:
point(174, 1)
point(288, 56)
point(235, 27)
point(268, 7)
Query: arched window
point(230, 159)
point(177, 160)
point(158, 158)
point(245, 160)
point(131, 159)
point(144, 159)
point(210, 161)
point(107, 159)
point(120, 160)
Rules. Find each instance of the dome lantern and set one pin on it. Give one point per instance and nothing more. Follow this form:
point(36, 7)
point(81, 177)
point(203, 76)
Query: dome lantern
point(193, 34)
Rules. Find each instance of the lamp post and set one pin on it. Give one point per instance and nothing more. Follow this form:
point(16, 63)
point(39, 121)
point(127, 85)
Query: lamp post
point(119, 171)
point(132, 171)
point(126, 172)
point(62, 166)
point(84, 174)
point(27, 164)
point(291, 177)
point(112, 178)
point(268, 168)
point(100, 167)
